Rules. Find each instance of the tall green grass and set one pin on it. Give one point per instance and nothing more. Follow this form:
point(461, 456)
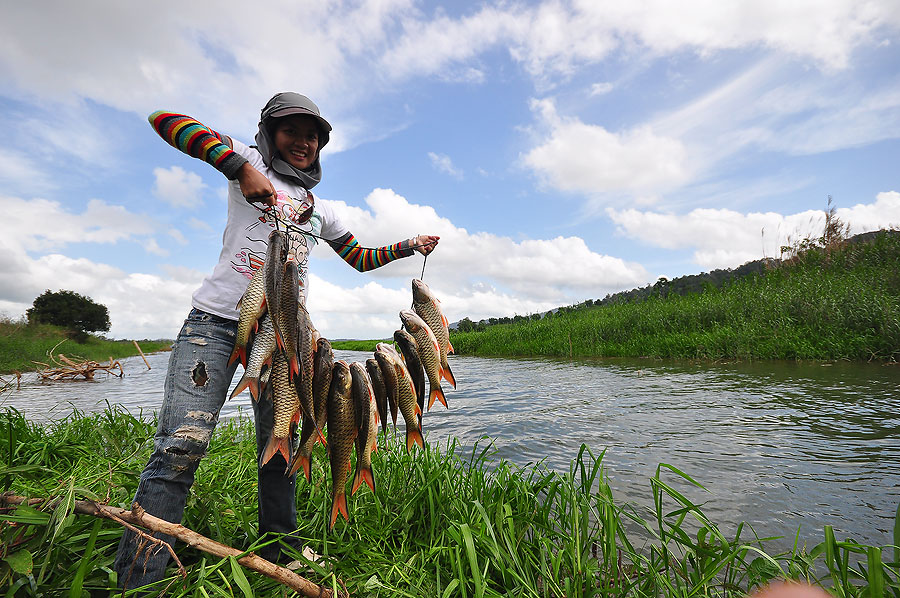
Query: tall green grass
point(443, 522)
point(22, 344)
point(839, 303)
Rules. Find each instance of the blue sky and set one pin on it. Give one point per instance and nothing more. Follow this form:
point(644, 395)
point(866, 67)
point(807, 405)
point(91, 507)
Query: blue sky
point(562, 150)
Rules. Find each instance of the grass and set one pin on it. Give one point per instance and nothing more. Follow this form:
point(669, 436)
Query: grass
point(837, 303)
point(23, 344)
point(442, 523)
point(359, 345)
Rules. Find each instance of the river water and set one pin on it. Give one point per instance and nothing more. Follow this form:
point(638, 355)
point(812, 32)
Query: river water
point(781, 446)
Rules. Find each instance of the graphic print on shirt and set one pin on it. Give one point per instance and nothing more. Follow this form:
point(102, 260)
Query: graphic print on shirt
point(287, 209)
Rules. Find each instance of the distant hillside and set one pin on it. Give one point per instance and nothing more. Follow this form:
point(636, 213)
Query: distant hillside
point(838, 301)
point(682, 285)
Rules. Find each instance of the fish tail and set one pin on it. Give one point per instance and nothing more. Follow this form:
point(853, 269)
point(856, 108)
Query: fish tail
point(338, 505)
point(242, 385)
point(450, 348)
point(363, 475)
point(239, 353)
point(295, 367)
point(274, 446)
point(414, 436)
point(447, 375)
point(436, 393)
point(253, 384)
point(303, 461)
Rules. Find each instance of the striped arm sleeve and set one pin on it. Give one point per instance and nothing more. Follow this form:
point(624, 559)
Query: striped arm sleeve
point(189, 136)
point(364, 259)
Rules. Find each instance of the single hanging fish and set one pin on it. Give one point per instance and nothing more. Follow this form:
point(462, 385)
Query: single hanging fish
point(410, 352)
point(367, 424)
point(429, 309)
point(322, 371)
point(380, 390)
point(286, 407)
point(252, 306)
point(429, 353)
point(261, 351)
point(342, 432)
point(389, 373)
point(409, 408)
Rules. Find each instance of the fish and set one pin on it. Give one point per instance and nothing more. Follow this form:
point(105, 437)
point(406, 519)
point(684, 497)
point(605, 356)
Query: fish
point(389, 373)
point(251, 306)
point(322, 369)
point(286, 405)
point(410, 352)
point(380, 390)
point(306, 355)
point(407, 403)
point(261, 351)
point(429, 309)
point(276, 254)
point(366, 423)
point(429, 353)
point(342, 433)
point(285, 316)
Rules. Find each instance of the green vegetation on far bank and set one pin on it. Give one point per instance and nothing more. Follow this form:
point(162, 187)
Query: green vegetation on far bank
point(837, 302)
point(448, 524)
point(356, 345)
point(21, 345)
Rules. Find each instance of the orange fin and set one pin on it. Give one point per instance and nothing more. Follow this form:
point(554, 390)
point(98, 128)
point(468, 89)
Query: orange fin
point(338, 505)
point(414, 436)
point(447, 375)
point(301, 461)
point(363, 475)
point(274, 446)
point(239, 353)
point(436, 393)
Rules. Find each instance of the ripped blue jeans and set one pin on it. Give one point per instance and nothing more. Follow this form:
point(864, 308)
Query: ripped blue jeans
point(196, 387)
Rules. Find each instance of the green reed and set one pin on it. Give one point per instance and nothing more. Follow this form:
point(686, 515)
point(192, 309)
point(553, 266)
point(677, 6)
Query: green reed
point(444, 522)
point(842, 303)
point(22, 344)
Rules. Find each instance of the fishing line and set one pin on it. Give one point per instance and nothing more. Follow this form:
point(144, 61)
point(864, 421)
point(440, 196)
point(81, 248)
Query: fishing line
point(270, 212)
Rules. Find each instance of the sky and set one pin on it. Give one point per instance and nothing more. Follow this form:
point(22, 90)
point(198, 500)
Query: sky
point(563, 150)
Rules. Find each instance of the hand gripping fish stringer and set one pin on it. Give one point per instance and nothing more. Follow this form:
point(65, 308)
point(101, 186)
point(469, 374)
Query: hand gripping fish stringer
point(270, 212)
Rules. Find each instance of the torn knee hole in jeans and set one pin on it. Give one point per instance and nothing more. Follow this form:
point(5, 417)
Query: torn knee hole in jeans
point(199, 375)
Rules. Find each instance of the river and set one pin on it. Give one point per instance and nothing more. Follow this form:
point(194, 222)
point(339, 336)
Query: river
point(781, 446)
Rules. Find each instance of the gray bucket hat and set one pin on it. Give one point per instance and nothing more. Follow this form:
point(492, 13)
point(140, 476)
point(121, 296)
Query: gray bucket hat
point(286, 104)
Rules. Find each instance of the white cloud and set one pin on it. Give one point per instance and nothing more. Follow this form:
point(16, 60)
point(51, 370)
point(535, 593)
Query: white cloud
point(40, 224)
point(599, 89)
point(178, 187)
point(724, 238)
point(587, 158)
point(443, 163)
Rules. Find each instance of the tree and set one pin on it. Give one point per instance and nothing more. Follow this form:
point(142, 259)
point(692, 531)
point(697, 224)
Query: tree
point(69, 310)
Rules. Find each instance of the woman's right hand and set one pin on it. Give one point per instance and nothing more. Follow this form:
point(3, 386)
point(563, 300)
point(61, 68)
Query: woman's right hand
point(255, 186)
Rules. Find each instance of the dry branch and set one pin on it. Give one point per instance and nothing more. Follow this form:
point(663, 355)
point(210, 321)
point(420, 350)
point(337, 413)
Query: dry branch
point(63, 368)
point(137, 516)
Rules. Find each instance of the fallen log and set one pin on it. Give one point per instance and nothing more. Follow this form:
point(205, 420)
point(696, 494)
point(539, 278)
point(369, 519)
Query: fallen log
point(138, 517)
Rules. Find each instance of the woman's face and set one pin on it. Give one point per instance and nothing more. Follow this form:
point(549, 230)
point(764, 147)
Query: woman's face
point(297, 140)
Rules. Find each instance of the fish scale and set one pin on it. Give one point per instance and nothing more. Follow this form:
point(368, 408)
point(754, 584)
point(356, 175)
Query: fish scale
point(407, 403)
point(322, 369)
point(428, 307)
point(285, 407)
point(260, 354)
point(429, 353)
point(367, 425)
point(251, 306)
point(342, 432)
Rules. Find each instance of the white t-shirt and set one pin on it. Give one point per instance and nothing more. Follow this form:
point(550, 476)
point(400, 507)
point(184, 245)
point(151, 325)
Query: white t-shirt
point(246, 237)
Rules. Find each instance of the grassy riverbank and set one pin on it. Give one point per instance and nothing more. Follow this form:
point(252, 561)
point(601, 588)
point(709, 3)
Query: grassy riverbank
point(23, 344)
point(842, 302)
point(442, 523)
point(357, 345)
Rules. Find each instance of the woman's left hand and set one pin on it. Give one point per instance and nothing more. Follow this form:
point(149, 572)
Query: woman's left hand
point(425, 244)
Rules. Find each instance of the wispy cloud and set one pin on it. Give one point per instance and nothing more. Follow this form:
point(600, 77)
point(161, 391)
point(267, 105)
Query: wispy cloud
point(443, 163)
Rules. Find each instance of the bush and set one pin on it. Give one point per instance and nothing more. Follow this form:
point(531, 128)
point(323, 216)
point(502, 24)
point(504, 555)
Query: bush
point(69, 310)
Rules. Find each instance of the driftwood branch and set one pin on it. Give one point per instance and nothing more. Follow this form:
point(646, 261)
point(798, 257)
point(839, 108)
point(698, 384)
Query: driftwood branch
point(63, 368)
point(137, 516)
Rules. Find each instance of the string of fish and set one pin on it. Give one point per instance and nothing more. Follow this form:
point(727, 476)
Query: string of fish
point(270, 213)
